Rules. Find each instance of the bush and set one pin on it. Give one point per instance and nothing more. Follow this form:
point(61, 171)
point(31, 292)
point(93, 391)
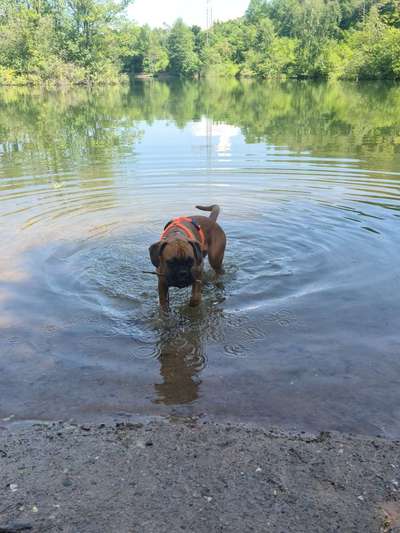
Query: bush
point(227, 69)
point(8, 76)
point(275, 62)
point(373, 52)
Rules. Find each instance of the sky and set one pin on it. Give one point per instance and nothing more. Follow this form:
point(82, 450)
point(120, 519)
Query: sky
point(157, 12)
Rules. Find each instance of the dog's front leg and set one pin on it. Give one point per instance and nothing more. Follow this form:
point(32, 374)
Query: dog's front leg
point(196, 293)
point(163, 294)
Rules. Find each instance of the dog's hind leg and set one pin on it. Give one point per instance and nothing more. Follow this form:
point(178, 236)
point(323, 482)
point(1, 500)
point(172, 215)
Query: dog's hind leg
point(216, 251)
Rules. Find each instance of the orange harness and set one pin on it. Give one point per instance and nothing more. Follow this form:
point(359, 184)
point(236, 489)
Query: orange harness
point(180, 222)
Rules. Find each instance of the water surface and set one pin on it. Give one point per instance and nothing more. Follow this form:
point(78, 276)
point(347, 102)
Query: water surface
point(303, 329)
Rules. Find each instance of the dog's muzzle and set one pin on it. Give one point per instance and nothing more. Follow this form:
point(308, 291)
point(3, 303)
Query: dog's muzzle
point(180, 278)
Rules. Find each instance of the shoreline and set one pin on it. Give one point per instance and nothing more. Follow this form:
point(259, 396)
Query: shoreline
point(197, 476)
point(126, 81)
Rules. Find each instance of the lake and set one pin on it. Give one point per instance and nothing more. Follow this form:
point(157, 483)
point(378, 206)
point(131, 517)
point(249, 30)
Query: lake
point(302, 331)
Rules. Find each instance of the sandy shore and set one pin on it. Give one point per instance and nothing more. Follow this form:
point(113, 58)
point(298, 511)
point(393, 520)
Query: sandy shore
point(195, 477)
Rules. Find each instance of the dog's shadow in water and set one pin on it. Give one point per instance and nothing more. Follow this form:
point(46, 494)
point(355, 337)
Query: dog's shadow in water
point(182, 348)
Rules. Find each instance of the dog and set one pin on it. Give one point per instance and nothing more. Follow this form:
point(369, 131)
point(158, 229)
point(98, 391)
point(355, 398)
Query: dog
point(179, 254)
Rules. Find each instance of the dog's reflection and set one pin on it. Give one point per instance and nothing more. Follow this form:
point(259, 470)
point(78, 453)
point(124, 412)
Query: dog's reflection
point(182, 346)
point(182, 357)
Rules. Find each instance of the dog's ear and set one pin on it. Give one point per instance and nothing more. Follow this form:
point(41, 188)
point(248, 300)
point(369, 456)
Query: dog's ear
point(197, 251)
point(155, 252)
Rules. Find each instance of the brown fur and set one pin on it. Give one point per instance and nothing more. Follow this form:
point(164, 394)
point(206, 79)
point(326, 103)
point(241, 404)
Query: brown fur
point(169, 254)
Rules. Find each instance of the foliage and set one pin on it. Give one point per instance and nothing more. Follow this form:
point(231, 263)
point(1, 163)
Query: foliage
point(152, 56)
point(183, 58)
point(92, 41)
point(55, 41)
point(372, 52)
point(345, 39)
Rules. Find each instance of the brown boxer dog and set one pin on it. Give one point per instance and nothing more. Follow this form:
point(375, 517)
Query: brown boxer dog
point(178, 255)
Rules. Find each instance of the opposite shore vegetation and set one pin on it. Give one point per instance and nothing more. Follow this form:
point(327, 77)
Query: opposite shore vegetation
point(92, 41)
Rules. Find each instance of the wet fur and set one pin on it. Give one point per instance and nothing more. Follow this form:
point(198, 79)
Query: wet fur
point(177, 248)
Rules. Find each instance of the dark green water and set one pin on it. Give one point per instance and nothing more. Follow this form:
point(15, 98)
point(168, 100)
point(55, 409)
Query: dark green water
point(304, 328)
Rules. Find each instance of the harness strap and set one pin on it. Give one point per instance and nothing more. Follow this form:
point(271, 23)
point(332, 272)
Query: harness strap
point(179, 222)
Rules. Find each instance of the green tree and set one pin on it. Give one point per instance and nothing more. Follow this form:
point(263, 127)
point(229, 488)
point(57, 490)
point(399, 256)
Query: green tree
point(181, 49)
point(374, 50)
point(353, 11)
point(128, 43)
point(91, 39)
point(256, 10)
point(153, 57)
point(390, 12)
point(75, 40)
point(317, 23)
point(285, 15)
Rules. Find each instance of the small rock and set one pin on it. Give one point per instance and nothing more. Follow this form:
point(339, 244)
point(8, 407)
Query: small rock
point(85, 428)
point(13, 487)
point(149, 443)
point(324, 435)
point(208, 498)
point(258, 469)
point(67, 482)
point(129, 425)
point(35, 509)
point(361, 498)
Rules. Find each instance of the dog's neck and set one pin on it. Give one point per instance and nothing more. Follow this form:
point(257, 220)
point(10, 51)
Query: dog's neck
point(173, 234)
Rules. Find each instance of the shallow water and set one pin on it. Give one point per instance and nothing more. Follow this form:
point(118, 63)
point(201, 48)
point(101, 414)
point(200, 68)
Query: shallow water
point(302, 330)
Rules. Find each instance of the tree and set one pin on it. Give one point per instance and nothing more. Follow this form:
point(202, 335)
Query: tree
point(69, 40)
point(128, 43)
point(285, 14)
point(181, 49)
point(90, 34)
point(317, 23)
point(256, 10)
point(390, 12)
point(353, 11)
point(155, 53)
point(75, 41)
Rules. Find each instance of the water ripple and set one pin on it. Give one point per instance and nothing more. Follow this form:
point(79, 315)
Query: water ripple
point(308, 301)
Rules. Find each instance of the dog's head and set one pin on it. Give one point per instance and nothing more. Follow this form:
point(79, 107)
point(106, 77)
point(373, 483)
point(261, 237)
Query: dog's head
point(177, 260)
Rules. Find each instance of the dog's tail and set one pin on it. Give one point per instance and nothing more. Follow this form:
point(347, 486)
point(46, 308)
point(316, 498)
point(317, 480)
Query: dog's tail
point(213, 208)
